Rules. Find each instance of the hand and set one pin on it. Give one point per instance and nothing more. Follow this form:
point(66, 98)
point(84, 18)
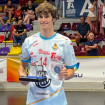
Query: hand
point(95, 3)
point(85, 36)
point(80, 36)
point(24, 82)
point(63, 74)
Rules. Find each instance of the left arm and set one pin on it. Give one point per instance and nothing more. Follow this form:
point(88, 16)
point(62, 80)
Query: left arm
point(95, 46)
point(24, 32)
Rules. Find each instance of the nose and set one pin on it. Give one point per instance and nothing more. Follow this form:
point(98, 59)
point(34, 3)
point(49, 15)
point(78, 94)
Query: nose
point(43, 19)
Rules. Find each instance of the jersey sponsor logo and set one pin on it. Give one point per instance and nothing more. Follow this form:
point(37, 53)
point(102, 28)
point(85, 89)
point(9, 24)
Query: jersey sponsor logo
point(55, 57)
point(71, 44)
point(44, 52)
point(31, 53)
point(35, 44)
point(55, 47)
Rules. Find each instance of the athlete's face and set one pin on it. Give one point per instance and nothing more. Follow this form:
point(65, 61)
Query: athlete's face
point(46, 21)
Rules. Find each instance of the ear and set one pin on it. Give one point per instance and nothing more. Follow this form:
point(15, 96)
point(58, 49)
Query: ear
point(54, 19)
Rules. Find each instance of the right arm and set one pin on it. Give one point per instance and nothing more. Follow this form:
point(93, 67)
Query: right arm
point(22, 69)
point(93, 7)
point(15, 32)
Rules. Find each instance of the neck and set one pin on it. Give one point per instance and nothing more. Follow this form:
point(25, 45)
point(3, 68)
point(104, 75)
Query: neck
point(91, 40)
point(47, 33)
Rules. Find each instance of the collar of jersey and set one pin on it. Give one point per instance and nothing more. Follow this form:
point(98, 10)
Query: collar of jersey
point(49, 37)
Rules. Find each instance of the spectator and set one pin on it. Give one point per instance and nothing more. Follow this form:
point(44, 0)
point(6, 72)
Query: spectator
point(59, 7)
point(46, 48)
point(19, 34)
point(1, 21)
point(92, 18)
point(9, 8)
point(102, 19)
point(30, 13)
point(17, 13)
point(91, 45)
point(83, 30)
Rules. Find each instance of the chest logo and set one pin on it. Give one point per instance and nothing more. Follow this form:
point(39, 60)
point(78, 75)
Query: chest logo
point(55, 47)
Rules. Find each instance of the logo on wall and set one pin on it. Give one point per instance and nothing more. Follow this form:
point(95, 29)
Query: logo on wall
point(70, 8)
point(78, 75)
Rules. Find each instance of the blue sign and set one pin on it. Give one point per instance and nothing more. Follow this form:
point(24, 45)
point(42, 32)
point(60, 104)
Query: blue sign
point(78, 8)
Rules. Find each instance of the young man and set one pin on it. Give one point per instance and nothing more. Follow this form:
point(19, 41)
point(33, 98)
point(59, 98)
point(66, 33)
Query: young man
point(91, 45)
point(83, 30)
point(19, 34)
point(48, 50)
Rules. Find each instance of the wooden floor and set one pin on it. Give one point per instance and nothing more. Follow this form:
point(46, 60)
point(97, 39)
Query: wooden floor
point(74, 98)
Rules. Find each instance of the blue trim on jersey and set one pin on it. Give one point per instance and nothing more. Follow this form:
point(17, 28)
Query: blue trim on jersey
point(25, 60)
point(49, 37)
point(68, 67)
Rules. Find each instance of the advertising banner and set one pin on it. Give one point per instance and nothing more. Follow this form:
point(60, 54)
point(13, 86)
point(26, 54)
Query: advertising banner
point(12, 69)
point(78, 8)
point(90, 70)
point(3, 70)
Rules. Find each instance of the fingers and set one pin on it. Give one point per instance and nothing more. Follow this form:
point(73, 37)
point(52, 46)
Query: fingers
point(24, 82)
point(63, 74)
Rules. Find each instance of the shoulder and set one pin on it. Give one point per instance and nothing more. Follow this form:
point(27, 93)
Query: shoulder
point(32, 38)
point(24, 26)
point(87, 24)
point(96, 41)
point(87, 42)
point(17, 27)
point(63, 39)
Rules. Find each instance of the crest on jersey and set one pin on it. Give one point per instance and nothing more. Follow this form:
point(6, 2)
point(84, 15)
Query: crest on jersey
point(55, 47)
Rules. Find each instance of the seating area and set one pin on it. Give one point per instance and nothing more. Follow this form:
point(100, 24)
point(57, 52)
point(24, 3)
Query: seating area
point(6, 50)
point(69, 31)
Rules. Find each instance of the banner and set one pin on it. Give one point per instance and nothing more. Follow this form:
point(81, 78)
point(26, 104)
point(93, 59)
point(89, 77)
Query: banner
point(78, 8)
point(3, 70)
point(90, 70)
point(12, 69)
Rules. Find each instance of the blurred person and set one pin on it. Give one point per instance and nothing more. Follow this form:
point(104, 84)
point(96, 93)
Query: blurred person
point(8, 9)
point(1, 20)
point(83, 30)
point(59, 7)
point(92, 18)
point(19, 34)
point(30, 12)
point(102, 19)
point(91, 45)
point(46, 48)
point(17, 13)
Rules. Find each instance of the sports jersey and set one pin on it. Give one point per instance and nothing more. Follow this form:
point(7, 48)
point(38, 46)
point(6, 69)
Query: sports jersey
point(49, 53)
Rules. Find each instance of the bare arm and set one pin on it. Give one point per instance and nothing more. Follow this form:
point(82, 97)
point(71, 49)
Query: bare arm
point(15, 32)
point(22, 71)
point(95, 46)
point(24, 32)
point(93, 8)
point(22, 68)
point(87, 48)
point(78, 34)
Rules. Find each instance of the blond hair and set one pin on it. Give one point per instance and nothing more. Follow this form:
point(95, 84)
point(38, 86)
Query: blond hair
point(45, 8)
